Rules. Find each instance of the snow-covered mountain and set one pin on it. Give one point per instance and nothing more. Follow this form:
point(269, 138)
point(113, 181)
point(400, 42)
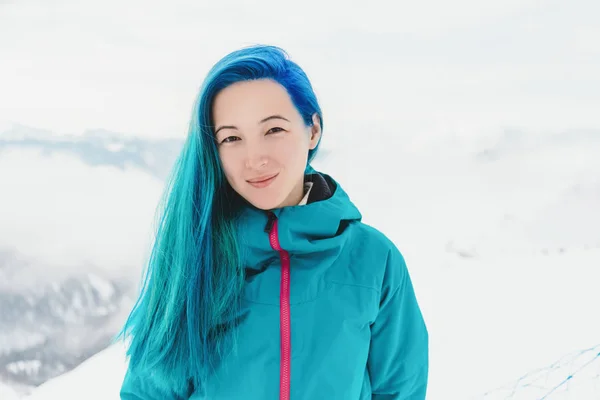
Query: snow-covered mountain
point(75, 223)
point(51, 327)
point(96, 147)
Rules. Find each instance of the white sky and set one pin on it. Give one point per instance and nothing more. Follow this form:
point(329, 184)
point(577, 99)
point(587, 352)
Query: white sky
point(429, 67)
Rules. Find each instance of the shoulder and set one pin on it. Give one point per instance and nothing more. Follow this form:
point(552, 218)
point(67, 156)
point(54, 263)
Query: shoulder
point(380, 259)
point(371, 240)
point(374, 237)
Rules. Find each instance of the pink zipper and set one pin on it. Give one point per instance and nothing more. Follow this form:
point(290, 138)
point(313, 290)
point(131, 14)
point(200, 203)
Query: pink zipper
point(286, 337)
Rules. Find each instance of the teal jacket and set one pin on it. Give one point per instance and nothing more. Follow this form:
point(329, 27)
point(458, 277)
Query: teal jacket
point(330, 311)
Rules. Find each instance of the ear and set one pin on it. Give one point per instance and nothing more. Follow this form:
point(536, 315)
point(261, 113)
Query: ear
point(315, 131)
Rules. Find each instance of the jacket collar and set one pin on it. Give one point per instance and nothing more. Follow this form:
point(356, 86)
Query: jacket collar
point(321, 189)
point(303, 229)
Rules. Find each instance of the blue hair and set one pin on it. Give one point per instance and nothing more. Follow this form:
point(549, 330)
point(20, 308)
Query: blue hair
point(185, 317)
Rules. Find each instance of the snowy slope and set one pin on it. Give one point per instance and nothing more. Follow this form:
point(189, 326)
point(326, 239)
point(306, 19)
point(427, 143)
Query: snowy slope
point(6, 393)
point(99, 377)
point(573, 376)
point(495, 321)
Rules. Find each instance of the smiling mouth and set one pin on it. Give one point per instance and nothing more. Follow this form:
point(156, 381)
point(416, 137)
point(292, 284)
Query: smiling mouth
point(263, 181)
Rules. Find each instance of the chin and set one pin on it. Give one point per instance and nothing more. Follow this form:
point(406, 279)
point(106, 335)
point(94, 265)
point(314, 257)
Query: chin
point(265, 202)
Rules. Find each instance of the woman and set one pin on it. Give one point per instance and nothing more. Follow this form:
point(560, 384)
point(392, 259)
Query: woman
point(263, 282)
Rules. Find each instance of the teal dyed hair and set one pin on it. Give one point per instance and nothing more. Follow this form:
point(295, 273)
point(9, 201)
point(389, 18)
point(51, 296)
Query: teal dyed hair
point(185, 316)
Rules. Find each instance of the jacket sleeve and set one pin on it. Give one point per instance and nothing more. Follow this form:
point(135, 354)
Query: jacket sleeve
point(136, 387)
point(398, 361)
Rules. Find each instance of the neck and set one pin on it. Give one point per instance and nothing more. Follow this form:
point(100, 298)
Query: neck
point(295, 195)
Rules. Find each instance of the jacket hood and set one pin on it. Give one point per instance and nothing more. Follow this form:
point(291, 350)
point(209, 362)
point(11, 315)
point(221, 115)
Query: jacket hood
point(304, 229)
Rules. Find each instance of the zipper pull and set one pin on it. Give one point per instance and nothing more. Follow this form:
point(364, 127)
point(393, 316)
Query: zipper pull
point(270, 222)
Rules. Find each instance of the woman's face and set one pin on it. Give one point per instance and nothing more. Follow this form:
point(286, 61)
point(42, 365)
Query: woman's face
point(263, 142)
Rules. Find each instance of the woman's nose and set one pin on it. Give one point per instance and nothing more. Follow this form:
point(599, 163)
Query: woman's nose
point(256, 159)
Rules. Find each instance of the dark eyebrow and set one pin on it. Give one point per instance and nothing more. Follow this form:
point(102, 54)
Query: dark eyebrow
point(273, 117)
point(262, 121)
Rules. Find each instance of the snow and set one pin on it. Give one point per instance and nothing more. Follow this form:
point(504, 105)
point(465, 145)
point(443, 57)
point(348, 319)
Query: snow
point(29, 366)
point(494, 321)
point(104, 288)
point(6, 393)
point(19, 340)
point(115, 147)
point(470, 138)
point(99, 377)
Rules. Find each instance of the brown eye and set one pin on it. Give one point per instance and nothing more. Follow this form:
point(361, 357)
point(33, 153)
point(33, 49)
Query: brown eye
point(230, 139)
point(275, 130)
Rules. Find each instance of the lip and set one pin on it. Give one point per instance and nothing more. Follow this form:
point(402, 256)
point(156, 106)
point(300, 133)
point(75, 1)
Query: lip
point(262, 181)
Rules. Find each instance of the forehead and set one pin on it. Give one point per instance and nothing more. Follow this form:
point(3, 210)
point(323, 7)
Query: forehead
point(251, 101)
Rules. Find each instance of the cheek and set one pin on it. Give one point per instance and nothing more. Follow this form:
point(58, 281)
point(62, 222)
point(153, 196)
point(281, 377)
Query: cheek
point(230, 163)
point(291, 151)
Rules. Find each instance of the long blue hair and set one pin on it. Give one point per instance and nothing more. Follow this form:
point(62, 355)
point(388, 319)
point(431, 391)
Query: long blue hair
point(184, 319)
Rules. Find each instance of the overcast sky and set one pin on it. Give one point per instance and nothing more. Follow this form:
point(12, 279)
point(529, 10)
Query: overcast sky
point(464, 66)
